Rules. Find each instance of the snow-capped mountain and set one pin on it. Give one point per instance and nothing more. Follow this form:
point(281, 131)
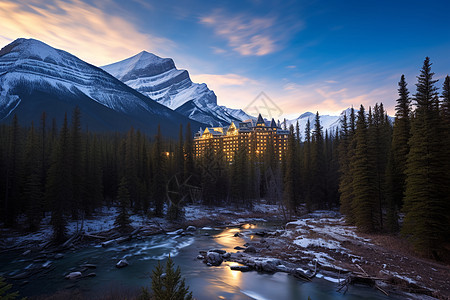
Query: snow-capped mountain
point(35, 77)
point(329, 123)
point(159, 79)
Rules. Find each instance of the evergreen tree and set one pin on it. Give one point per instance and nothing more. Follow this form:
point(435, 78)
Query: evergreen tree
point(159, 176)
point(307, 163)
point(364, 204)
point(290, 176)
point(123, 219)
point(13, 174)
point(33, 190)
point(93, 178)
point(179, 155)
point(445, 106)
point(59, 184)
point(188, 152)
point(171, 286)
point(318, 168)
point(395, 174)
point(77, 162)
point(346, 177)
point(4, 291)
point(379, 140)
point(426, 202)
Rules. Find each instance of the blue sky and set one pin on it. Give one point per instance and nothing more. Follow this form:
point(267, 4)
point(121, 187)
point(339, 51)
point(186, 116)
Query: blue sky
point(305, 55)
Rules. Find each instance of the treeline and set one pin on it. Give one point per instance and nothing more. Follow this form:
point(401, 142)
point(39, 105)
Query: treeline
point(404, 171)
point(384, 177)
point(70, 172)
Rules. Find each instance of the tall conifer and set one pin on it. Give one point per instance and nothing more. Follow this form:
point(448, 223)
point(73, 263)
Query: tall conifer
point(395, 174)
point(426, 198)
point(363, 166)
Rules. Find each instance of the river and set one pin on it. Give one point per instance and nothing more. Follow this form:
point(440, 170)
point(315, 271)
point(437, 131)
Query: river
point(205, 282)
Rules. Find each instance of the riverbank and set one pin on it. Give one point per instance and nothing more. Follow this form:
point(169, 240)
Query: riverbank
point(320, 241)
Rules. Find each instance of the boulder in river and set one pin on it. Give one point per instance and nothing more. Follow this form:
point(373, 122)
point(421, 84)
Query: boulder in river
point(250, 249)
point(268, 264)
point(73, 275)
point(220, 251)
point(239, 248)
point(122, 263)
point(213, 258)
point(241, 268)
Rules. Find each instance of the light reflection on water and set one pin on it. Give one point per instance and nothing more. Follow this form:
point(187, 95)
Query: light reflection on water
point(206, 282)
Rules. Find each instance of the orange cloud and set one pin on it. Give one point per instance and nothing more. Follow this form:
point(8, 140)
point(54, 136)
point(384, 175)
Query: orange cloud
point(237, 91)
point(77, 27)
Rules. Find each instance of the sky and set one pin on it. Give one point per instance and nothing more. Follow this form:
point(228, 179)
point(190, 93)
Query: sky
point(304, 56)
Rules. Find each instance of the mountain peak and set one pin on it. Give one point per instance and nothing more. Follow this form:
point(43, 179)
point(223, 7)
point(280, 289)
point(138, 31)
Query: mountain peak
point(306, 115)
point(31, 48)
point(142, 64)
point(146, 58)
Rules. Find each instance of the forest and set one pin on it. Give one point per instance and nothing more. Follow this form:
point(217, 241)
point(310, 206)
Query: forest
point(383, 176)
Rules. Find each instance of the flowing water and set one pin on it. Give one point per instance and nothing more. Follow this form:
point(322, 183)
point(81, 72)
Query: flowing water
point(205, 282)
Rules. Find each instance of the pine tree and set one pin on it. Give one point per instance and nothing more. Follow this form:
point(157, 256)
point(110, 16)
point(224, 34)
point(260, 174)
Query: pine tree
point(290, 196)
point(179, 155)
point(188, 152)
point(159, 176)
point(93, 179)
point(4, 291)
point(33, 190)
point(318, 168)
point(445, 106)
point(426, 200)
point(59, 183)
point(395, 176)
point(364, 204)
point(379, 139)
point(13, 174)
point(307, 163)
point(123, 219)
point(346, 151)
point(171, 286)
point(77, 162)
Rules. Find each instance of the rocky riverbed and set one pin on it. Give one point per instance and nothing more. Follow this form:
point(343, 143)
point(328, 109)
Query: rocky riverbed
point(319, 244)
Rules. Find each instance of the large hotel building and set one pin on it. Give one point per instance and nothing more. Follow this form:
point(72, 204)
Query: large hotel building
point(252, 135)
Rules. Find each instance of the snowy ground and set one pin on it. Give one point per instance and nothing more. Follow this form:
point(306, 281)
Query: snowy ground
point(103, 220)
point(323, 237)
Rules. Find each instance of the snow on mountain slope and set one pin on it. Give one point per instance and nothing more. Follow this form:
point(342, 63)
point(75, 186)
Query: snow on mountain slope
point(30, 69)
point(329, 123)
point(159, 79)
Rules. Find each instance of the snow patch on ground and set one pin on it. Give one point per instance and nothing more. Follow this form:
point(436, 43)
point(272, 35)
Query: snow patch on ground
point(308, 242)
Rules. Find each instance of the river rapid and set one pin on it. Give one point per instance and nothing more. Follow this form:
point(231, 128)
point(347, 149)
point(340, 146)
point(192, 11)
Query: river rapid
point(143, 254)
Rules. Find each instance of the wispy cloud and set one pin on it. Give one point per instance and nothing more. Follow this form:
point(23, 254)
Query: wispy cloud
point(248, 35)
point(217, 80)
point(77, 27)
point(238, 91)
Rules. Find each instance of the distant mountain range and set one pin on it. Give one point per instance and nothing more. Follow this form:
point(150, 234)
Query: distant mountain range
point(159, 79)
point(35, 77)
point(141, 91)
